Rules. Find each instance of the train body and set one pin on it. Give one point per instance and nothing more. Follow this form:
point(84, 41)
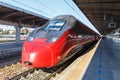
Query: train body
point(49, 44)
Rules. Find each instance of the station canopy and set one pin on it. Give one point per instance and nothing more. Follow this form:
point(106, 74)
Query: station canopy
point(12, 15)
point(103, 14)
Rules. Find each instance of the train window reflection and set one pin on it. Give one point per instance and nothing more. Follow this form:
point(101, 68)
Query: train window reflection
point(55, 25)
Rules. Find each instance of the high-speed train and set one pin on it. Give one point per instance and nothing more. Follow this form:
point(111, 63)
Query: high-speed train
point(49, 44)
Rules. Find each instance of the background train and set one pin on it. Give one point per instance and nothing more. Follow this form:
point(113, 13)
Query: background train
point(49, 44)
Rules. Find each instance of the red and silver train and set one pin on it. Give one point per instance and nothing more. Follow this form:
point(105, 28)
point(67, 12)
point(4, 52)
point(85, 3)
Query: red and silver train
point(49, 44)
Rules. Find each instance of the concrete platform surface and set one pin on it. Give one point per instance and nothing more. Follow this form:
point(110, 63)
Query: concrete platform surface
point(105, 63)
point(77, 69)
point(4, 46)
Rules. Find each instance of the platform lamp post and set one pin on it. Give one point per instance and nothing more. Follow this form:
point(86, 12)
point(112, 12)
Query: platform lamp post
point(18, 32)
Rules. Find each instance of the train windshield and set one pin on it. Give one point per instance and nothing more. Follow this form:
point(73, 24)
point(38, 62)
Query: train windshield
point(55, 25)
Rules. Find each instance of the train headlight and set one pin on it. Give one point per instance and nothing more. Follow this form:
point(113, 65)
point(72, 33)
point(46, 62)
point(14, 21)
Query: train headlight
point(29, 38)
point(52, 39)
point(32, 56)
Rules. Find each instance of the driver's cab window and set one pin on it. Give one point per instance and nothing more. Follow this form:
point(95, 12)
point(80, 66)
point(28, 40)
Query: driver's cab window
point(55, 25)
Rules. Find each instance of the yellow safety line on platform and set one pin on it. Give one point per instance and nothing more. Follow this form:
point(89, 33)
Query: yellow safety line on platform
point(78, 68)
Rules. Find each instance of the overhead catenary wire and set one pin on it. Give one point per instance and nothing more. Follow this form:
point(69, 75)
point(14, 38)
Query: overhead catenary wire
point(31, 7)
point(46, 6)
point(79, 14)
point(73, 9)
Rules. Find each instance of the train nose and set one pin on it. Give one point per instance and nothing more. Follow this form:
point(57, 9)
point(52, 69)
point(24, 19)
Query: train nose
point(37, 56)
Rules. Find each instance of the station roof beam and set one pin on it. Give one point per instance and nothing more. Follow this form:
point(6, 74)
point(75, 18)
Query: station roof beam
point(12, 15)
point(101, 13)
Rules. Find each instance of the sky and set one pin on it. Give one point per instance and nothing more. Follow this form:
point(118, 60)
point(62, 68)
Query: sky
point(52, 8)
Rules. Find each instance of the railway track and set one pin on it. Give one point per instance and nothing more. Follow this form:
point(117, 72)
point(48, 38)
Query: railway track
point(10, 71)
point(82, 52)
point(45, 74)
point(9, 61)
point(59, 70)
point(40, 74)
point(10, 65)
point(31, 74)
point(19, 72)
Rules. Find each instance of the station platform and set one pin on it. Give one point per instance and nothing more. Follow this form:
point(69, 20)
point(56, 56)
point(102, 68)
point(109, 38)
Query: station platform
point(10, 49)
point(9, 45)
point(103, 65)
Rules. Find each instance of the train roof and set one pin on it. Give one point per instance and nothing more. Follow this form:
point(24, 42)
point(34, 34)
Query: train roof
point(72, 18)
